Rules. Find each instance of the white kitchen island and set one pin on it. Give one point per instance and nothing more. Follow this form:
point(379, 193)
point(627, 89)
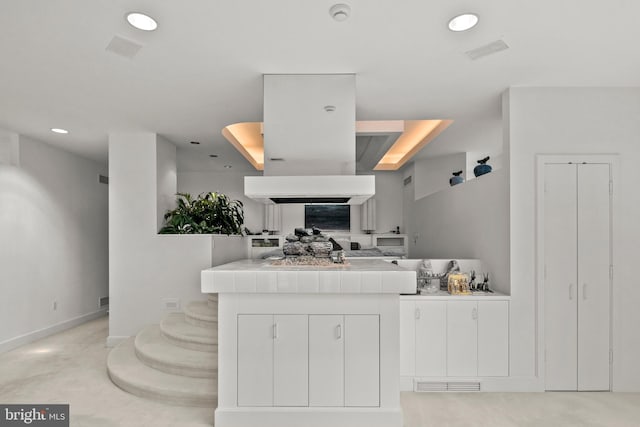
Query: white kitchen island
point(308, 346)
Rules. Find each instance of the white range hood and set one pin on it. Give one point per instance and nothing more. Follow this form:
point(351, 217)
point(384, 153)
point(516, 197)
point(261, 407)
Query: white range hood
point(310, 142)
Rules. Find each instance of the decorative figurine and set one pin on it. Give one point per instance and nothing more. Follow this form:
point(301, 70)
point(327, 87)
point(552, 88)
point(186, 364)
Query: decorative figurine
point(456, 178)
point(472, 283)
point(482, 168)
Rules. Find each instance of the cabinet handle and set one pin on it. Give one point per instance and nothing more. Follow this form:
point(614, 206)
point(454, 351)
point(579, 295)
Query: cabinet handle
point(584, 291)
point(275, 331)
point(339, 331)
point(570, 291)
point(418, 313)
point(474, 314)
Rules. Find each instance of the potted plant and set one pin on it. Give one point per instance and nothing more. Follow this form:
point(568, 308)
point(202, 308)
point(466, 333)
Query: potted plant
point(208, 213)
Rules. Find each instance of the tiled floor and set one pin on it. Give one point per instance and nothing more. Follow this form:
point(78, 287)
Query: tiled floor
point(70, 368)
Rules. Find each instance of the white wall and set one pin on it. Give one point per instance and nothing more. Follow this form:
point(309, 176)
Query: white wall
point(564, 121)
point(388, 197)
point(469, 220)
point(229, 183)
point(432, 174)
point(53, 234)
point(146, 267)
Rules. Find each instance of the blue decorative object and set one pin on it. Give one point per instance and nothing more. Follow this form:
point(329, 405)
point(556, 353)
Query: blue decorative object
point(456, 178)
point(483, 168)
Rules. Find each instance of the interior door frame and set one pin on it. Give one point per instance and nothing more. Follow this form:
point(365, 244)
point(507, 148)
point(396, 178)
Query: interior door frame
point(541, 160)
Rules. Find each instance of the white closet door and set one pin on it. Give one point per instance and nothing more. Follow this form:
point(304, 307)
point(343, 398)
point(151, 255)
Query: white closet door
point(431, 338)
point(593, 276)
point(560, 278)
point(255, 360)
point(462, 338)
point(326, 360)
point(291, 360)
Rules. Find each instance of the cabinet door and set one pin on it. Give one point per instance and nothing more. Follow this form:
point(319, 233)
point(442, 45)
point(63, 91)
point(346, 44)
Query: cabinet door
point(431, 338)
point(560, 286)
point(362, 360)
point(255, 360)
point(593, 277)
point(407, 338)
point(326, 360)
point(291, 360)
point(493, 338)
point(462, 339)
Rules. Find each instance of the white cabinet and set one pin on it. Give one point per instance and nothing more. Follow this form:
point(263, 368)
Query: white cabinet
point(462, 338)
point(290, 360)
point(430, 338)
point(454, 338)
point(493, 338)
point(577, 261)
point(326, 356)
point(255, 360)
point(309, 360)
point(272, 360)
point(362, 360)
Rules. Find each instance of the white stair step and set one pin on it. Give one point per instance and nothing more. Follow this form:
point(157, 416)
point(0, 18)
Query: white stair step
point(179, 332)
point(157, 352)
point(133, 376)
point(199, 313)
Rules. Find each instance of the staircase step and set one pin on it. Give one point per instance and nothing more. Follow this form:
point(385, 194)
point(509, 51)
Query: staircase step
point(179, 332)
point(157, 352)
point(199, 313)
point(133, 376)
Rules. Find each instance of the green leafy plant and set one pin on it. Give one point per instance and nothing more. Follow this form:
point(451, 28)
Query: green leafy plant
point(209, 213)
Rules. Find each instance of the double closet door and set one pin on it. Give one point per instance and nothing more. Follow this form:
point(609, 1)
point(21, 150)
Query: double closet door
point(577, 276)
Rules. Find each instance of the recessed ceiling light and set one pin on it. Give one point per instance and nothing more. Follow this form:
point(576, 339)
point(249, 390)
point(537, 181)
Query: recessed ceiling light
point(213, 155)
point(463, 22)
point(227, 166)
point(195, 142)
point(141, 21)
point(59, 130)
point(340, 12)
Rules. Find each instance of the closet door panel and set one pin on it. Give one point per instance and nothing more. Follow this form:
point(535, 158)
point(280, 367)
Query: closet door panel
point(593, 276)
point(560, 277)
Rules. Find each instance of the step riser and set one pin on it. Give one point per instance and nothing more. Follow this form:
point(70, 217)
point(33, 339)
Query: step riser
point(201, 323)
point(185, 400)
point(185, 371)
point(209, 348)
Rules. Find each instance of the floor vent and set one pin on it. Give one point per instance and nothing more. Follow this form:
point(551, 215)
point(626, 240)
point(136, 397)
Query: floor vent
point(103, 302)
point(427, 386)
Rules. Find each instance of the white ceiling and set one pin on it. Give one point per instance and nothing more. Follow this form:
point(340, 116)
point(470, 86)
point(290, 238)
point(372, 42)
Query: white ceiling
point(202, 69)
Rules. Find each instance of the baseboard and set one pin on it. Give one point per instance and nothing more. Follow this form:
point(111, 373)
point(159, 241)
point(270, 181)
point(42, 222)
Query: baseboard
point(308, 416)
point(30, 337)
point(114, 340)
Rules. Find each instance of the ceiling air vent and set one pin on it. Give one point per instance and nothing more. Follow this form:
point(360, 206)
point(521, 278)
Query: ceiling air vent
point(488, 49)
point(123, 47)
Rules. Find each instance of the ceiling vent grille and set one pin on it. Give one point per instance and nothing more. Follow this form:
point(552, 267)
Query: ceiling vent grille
point(440, 386)
point(123, 47)
point(488, 49)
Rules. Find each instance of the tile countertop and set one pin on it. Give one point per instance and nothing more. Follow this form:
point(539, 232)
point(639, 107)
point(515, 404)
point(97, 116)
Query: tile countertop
point(444, 295)
point(358, 276)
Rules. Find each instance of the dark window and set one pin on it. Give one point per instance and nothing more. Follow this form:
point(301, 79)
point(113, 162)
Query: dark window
point(328, 217)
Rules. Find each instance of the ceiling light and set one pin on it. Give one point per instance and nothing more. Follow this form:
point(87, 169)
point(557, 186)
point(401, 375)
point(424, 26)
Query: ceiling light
point(141, 21)
point(227, 166)
point(463, 22)
point(340, 12)
point(59, 130)
point(195, 142)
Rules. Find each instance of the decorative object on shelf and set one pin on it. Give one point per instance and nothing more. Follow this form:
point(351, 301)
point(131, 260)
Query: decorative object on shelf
point(485, 283)
point(209, 213)
point(456, 178)
point(458, 284)
point(452, 267)
point(482, 168)
point(472, 283)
